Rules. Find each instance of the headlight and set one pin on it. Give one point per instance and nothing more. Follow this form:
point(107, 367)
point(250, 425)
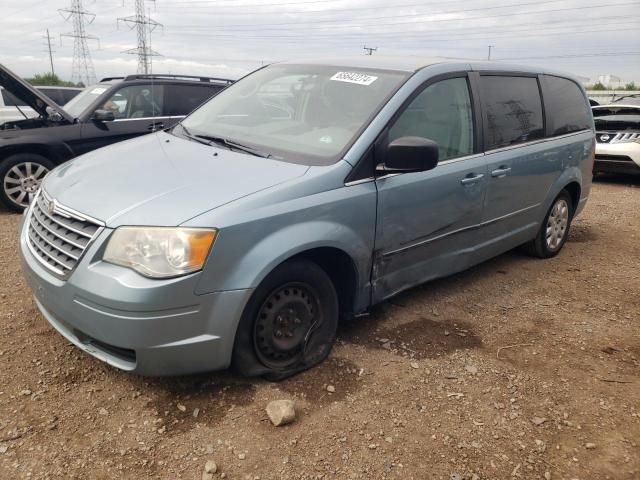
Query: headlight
point(160, 252)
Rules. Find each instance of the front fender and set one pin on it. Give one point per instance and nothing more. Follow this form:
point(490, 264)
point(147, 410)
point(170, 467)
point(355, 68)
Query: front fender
point(55, 150)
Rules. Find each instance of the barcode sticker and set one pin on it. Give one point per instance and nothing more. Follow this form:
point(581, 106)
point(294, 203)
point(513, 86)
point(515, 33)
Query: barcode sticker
point(354, 77)
point(98, 91)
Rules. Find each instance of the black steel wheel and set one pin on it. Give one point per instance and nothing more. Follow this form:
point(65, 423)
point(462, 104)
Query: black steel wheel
point(289, 324)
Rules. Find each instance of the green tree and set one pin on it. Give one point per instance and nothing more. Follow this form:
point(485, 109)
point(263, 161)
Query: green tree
point(51, 79)
point(596, 86)
point(631, 86)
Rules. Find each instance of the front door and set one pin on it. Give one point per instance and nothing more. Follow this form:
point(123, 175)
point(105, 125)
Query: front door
point(428, 221)
point(138, 109)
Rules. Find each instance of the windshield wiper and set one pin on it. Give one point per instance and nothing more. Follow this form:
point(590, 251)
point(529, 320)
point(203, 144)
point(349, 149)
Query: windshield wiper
point(233, 145)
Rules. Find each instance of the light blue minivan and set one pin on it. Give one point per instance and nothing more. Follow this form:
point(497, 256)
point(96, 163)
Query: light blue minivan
point(303, 192)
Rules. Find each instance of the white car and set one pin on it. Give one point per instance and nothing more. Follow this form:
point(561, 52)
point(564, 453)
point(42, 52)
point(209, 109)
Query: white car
point(618, 136)
point(12, 109)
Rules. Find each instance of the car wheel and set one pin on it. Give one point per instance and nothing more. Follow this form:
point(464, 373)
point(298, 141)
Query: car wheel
point(289, 324)
point(20, 177)
point(554, 230)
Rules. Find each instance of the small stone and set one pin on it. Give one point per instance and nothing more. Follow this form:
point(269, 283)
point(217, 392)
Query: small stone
point(373, 446)
point(25, 392)
point(103, 411)
point(210, 467)
point(590, 446)
point(162, 429)
point(196, 412)
point(207, 476)
point(331, 389)
point(472, 369)
point(538, 420)
point(415, 365)
point(242, 456)
point(3, 448)
point(388, 439)
point(455, 476)
point(446, 334)
point(547, 475)
point(182, 408)
point(281, 412)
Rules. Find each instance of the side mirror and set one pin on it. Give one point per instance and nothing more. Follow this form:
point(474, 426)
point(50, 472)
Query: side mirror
point(53, 114)
point(411, 154)
point(103, 116)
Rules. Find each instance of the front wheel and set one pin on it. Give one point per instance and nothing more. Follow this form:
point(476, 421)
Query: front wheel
point(554, 230)
point(289, 324)
point(20, 177)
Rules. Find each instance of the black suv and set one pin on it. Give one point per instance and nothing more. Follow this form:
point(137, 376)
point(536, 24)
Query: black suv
point(113, 110)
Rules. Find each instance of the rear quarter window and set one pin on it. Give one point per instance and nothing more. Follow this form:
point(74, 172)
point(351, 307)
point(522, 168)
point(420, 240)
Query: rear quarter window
point(567, 108)
point(513, 110)
point(183, 99)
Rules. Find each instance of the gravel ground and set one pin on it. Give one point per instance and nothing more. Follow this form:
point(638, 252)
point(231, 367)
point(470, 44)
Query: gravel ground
point(518, 368)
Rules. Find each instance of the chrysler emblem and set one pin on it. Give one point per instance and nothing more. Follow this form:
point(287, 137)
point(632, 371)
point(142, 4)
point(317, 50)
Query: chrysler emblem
point(51, 207)
point(604, 138)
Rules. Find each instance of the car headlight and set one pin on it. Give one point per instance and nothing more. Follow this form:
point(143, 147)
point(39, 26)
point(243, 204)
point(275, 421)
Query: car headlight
point(160, 252)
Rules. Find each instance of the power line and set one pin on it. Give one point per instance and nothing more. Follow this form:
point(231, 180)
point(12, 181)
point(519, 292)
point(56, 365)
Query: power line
point(412, 17)
point(141, 22)
point(82, 69)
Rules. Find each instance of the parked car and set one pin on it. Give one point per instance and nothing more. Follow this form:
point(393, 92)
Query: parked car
point(239, 236)
point(116, 109)
point(12, 108)
point(618, 136)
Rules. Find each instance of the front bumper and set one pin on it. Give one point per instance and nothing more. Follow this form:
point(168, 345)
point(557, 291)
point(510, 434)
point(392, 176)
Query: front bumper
point(618, 158)
point(149, 327)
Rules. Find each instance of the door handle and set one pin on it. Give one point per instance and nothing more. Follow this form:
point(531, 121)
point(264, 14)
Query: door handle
point(156, 126)
point(472, 178)
point(501, 172)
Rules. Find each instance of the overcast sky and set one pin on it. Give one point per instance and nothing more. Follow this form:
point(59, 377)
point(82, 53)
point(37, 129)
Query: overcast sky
point(231, 37)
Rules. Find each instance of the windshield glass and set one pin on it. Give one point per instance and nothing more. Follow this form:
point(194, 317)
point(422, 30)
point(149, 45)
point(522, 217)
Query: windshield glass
point(301, 113)
point(80, 102)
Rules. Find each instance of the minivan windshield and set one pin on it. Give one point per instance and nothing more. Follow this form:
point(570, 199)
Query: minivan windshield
point(80, 102)
point(300, 113)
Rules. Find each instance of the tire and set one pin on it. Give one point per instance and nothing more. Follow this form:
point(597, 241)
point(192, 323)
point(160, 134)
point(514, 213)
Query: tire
point(289, 324)
point(554, 230)
point(20, 177)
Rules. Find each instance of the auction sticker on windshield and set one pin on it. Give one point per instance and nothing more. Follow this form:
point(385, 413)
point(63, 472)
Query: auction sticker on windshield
point(354, 77)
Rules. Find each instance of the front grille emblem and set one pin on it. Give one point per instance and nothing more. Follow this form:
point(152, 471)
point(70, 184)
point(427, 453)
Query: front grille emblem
point(604, 138)
point(51, 207)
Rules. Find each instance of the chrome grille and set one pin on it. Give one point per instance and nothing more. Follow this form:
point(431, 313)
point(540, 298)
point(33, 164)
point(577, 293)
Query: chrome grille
point(617, 137)
point(58, 236)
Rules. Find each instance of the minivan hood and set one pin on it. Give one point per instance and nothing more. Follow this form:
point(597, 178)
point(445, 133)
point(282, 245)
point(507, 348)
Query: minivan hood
point(28, 94)
point(161, 180)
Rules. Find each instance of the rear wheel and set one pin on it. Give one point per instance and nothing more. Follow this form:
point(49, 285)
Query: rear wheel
point(289, 324)
point(20, 177)
point(554, 230)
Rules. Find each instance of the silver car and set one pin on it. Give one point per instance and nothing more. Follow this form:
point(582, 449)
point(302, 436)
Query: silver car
point(305, 191)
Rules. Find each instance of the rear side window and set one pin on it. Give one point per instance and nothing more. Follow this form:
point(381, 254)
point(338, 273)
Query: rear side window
point(68, 95)
point(513, 110)
point(183, 99)
point(54, 94)
point(567, 107)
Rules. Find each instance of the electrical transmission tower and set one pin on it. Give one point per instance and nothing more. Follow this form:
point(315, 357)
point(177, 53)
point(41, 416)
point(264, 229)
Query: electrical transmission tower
point(82, 70)
point(144, 25)
point(369, 50)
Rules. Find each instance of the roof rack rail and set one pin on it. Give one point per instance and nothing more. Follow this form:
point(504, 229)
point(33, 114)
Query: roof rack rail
point(141, 76)
point(106, 79)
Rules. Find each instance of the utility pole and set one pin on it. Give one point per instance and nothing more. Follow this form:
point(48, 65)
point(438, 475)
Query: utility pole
point(141, 22)
point(369, 50)
point(48, 37)
point(489, 55)
point(82, 70)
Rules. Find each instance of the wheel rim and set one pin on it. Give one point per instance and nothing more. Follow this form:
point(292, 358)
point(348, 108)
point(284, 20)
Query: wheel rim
point(557, 224)
point(284, 323)
point(22, 181)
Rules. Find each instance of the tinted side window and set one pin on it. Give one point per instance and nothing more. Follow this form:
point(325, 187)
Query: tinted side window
point(513, 110)
point(68, 95)
point(442, 113)
point(136, 101)
point(54, 94)
point(567, 107)
point(183, 99)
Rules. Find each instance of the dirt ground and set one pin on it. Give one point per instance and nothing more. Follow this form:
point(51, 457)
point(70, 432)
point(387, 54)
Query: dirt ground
point(518, 368)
